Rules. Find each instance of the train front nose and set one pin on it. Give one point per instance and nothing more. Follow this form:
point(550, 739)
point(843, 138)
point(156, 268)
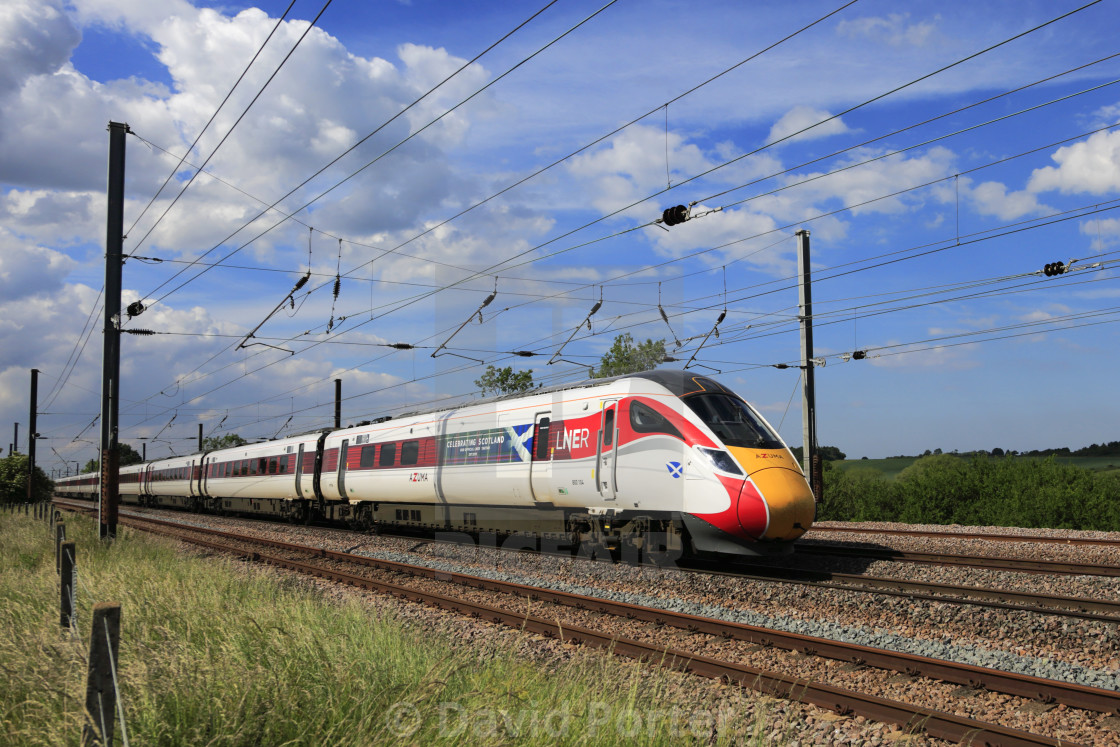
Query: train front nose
point(775, 503)
point(788, 499)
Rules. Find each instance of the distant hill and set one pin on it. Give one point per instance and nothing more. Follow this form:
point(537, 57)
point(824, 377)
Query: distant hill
point(1110, 449)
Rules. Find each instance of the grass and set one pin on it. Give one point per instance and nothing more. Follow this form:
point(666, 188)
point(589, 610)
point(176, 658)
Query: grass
point(214, 652)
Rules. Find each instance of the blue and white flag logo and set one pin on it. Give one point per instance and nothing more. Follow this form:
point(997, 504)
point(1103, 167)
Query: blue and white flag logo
point(675, 469)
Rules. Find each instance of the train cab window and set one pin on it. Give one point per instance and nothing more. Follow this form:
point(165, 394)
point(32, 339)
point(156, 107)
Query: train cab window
point(645, 419)
point(388, 455)
point(733, 421)
point(608, 428)
point(540, 450)
point(367, 459)
point(410, 453)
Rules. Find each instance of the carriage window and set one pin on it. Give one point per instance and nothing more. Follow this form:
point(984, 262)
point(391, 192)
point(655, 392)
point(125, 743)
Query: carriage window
point(608, 428)
point(410, 453)
point(644, 419)
point(388, 455)
point(733, 421)
point(272, 465)
point(367, 459)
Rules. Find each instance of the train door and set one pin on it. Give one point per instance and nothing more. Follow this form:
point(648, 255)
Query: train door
point(203, 477)
point(191, 478)
point(606, 472)
point(299, 472)
point(342, 467)
point(540, 470)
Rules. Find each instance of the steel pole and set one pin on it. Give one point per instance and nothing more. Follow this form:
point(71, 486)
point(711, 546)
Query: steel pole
point(111, 356)
point(808, 382)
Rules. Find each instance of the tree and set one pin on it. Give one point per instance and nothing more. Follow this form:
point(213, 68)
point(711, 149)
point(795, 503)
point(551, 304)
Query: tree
point(504, 381)
point(625, 357)
point(827, 453)
point(228, 441)
point(13, 481)
point(128, 455)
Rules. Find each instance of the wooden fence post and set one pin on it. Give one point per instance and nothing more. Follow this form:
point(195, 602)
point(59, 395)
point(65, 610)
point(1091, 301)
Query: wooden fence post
point(101, 686)
point(59, 538)
point(66, 570)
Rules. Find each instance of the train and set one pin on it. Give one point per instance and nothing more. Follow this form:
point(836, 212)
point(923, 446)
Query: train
point(660, 461)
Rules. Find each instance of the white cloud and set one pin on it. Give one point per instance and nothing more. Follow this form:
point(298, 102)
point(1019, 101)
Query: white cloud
point(1091, 166)
point(801, 117)
point(894, 29)
point(860, 186)
point(1105, 232)
point(992, 198)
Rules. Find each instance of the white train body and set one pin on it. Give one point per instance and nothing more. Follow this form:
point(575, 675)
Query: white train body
point(616, 460)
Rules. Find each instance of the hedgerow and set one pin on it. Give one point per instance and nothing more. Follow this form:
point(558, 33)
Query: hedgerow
point(981, 490)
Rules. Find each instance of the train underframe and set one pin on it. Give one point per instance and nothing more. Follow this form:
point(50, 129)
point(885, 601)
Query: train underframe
point(660, 537)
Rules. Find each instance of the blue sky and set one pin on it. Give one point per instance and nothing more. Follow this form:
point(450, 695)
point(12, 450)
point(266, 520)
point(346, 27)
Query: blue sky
point(933, 197)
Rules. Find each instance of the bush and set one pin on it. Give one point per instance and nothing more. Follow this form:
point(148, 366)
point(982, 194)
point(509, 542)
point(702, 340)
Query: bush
point(13, 481)
point(981, 490)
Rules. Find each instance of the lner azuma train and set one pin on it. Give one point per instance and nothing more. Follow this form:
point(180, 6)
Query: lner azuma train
point(662, 458)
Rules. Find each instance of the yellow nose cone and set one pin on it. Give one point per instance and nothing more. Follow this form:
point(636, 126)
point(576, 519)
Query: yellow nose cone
point(791, 503)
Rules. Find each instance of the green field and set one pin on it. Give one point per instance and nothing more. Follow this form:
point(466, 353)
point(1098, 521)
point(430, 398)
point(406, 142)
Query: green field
point(892, 466)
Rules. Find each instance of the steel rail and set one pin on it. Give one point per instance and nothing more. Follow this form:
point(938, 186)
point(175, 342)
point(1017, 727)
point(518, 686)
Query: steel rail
point(1082, 608)
point(988, 536)
point(935, 723)
point(1025, 686)
point(976, 561)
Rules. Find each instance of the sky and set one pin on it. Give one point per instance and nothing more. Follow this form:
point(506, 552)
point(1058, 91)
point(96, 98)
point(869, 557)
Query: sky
point(419, 156)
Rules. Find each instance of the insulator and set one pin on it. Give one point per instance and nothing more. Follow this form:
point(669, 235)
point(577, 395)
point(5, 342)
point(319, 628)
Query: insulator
point(401, 345)
point(1054, 268)
point(488, 300)
point(674, 215)
point(525, 353)
point(301, 282)
point(781, 365)
point(337, 285)
point(138, 331)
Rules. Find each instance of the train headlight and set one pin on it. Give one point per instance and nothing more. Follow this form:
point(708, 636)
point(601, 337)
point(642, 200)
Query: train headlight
point(721, 460)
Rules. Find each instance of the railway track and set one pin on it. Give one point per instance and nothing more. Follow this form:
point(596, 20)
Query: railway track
point(936, 723)
point(1067, 606)
point(1083, 608)
point(963, 535)
point(1022, 565)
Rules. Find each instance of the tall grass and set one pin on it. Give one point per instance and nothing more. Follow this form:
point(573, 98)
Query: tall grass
point(993, 491)
point(218, 653)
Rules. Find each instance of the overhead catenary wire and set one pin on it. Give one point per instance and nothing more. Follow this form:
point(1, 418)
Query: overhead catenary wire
point(374, 132)
point(557, 238)
point(209, 122)
point(240, 117)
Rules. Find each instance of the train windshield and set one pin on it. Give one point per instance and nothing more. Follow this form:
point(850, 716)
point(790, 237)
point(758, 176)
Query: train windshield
point(733, 421)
